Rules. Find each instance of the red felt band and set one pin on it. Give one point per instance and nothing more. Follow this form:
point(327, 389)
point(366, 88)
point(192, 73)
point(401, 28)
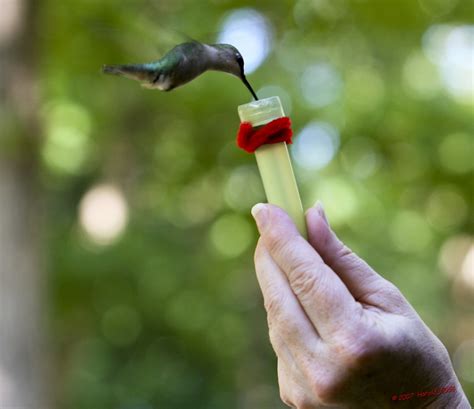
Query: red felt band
point(250, 138)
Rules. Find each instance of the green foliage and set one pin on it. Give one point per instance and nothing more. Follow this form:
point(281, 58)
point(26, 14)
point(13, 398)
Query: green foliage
point(169, 315)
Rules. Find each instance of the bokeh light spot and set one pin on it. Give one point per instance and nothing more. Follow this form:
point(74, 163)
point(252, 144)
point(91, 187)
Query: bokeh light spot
point(456, 152)
point(67, 142)
point(437, 8)
point(248, 31)
point(10, 19)
point(420, 76)
point(446, 208)
point(103, 214)
point(65, 149)
point(451, 48)
point(339, 198)
point(306, 11)
point(231, 235)
point(467, 269)
point(452, 253)
point(320, 85)
point(315, 146)
point(456, 260)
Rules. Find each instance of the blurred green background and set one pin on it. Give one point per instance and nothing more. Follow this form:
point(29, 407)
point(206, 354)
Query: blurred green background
point(140, 200)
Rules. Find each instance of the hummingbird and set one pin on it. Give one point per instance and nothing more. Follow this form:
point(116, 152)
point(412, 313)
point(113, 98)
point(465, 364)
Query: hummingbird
point(182, 64)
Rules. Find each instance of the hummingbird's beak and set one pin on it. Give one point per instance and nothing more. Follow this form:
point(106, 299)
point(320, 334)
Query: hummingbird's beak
point(133, 71)
point(247, 84)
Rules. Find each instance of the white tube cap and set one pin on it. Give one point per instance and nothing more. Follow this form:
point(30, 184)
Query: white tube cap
point(262, 111)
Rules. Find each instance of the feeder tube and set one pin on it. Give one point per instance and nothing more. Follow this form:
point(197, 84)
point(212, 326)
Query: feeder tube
point(274, 162)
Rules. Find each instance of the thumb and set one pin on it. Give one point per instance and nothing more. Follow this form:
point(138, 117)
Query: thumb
point(362, 281)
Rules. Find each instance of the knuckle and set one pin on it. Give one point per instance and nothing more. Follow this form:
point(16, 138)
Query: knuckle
point(394, 298)
point(304, 279)
point(274, 303)
point(284, 385)
point(350, 260)
point(275, 340)
point(327, 391)
point(301, 400)
point(286, 399)
point(393, 292)
point(282, 331)
point(359, 353)
point(275, 242)
point(344, 252)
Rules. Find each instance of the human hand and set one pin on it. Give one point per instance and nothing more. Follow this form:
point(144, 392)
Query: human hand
point(344, 336)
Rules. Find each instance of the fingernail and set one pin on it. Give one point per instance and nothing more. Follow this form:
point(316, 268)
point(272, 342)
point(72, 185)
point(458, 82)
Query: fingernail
point(259, 213)
point(320, 208)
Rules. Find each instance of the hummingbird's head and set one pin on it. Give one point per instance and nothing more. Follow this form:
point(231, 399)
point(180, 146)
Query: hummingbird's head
point(229, 59)
point(232, 62)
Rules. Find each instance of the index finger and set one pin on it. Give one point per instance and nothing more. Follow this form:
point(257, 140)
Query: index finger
point(324, 297)
point(286, 317)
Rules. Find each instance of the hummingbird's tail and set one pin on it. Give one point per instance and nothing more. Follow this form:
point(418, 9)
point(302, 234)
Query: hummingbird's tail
point(111, 69)
point(139, 72)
